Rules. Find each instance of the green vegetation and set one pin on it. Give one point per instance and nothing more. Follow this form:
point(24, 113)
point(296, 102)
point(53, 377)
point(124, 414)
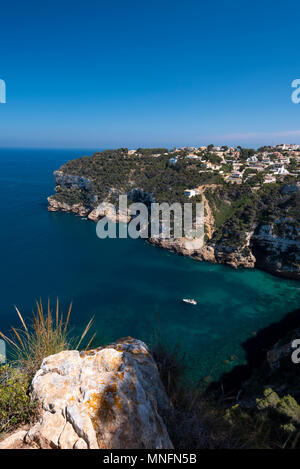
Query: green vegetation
point(16, 406)
point(238, 209)
point(198, 419)
point(245, 153)
point(152, 151)
point(114, 172)
point(213, 158)
point(72, 196)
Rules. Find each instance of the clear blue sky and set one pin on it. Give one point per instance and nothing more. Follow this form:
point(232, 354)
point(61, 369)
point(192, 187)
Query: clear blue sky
point(147, 73)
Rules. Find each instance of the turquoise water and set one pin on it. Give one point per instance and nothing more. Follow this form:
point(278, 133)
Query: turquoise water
point(129, 286)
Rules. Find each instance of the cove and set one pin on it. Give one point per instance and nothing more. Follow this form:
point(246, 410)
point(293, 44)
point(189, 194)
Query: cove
point(130, 287)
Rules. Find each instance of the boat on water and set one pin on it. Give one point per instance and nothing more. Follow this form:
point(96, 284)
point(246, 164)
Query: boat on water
point(190, 301)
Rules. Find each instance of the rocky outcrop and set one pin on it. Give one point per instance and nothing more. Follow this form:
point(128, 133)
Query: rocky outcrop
point(183, 246)
point(209, 218)
point(273, 247)
point(276, 368)
point(277, 248)
point(110, 397)
point(195, 249)
point(71, 181)
point(236, 256)
point(16, 440)
point(105, 209)
point(139, 195)
point(57, 206)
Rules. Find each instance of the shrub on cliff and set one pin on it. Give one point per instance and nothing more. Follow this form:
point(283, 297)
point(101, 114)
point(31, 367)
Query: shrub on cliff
point(199, 420)
point(46, 335)
point(194, 421)
point(16, 406)
point(273, 422)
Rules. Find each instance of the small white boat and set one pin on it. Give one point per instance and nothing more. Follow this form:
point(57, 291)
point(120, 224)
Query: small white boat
point(190, 301)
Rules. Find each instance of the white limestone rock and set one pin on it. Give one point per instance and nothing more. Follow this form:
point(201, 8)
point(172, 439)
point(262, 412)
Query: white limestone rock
point(110, 397)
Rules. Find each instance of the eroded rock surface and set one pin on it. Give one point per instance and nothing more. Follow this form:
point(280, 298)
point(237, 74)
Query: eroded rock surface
point(58, 206)
point(110, 397)
point(15, 441)
point(106, 209)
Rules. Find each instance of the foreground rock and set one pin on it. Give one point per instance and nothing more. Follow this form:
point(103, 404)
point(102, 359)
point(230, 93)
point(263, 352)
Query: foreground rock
point(16, 441)
point(110, 397)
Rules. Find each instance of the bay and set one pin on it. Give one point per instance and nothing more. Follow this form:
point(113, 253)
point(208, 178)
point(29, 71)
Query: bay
point(130, 287)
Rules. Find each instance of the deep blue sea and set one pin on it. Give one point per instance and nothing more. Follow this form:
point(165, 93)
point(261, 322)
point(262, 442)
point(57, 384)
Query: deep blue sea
point(129, 286)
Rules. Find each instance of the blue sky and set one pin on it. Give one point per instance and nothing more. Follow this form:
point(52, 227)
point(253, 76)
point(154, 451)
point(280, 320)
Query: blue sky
point(138, 73)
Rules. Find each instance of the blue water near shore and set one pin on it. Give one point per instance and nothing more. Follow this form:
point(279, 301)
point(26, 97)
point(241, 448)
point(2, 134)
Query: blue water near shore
point(129, 286)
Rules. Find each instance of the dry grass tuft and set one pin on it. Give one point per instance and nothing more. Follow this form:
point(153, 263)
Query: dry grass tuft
point(46, 335)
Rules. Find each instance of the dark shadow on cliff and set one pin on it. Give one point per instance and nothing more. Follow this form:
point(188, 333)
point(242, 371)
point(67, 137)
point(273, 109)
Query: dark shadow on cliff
point(256, 349)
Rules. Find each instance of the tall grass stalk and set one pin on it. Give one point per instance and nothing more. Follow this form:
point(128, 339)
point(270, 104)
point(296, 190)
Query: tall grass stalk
point(46, 335)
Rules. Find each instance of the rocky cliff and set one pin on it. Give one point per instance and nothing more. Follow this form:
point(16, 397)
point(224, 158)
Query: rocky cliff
point(243, 227)
point(271, 395)
point(69, 202)
point(277, 247)
point(106, 398)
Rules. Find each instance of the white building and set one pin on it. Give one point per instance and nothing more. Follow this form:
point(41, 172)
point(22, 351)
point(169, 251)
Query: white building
point(192, 156)
point(173, 160)
point(285, 160)
point(281, 171)
point(269, 179)
point(266, 160)
point(236, 175)
point(252, 159)
point(288, 146)
point(191, 192)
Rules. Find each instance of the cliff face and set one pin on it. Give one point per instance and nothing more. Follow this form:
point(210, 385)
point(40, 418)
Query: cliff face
point(277, 248)
point(183, 246)
point(71, 181)
point(73, 194)
point(240, 232)
point(210, 253)
point(60, 206)
point(107, 398)
point(274, 386)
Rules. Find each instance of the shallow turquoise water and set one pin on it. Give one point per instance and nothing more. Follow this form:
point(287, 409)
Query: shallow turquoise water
point(129, 286)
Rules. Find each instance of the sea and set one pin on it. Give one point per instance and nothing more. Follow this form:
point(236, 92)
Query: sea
point(129, 287)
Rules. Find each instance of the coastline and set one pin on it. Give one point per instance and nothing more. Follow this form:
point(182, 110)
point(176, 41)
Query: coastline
point(208, 253)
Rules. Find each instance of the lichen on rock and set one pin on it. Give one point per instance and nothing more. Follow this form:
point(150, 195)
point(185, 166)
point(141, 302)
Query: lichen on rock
point(110, 397)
